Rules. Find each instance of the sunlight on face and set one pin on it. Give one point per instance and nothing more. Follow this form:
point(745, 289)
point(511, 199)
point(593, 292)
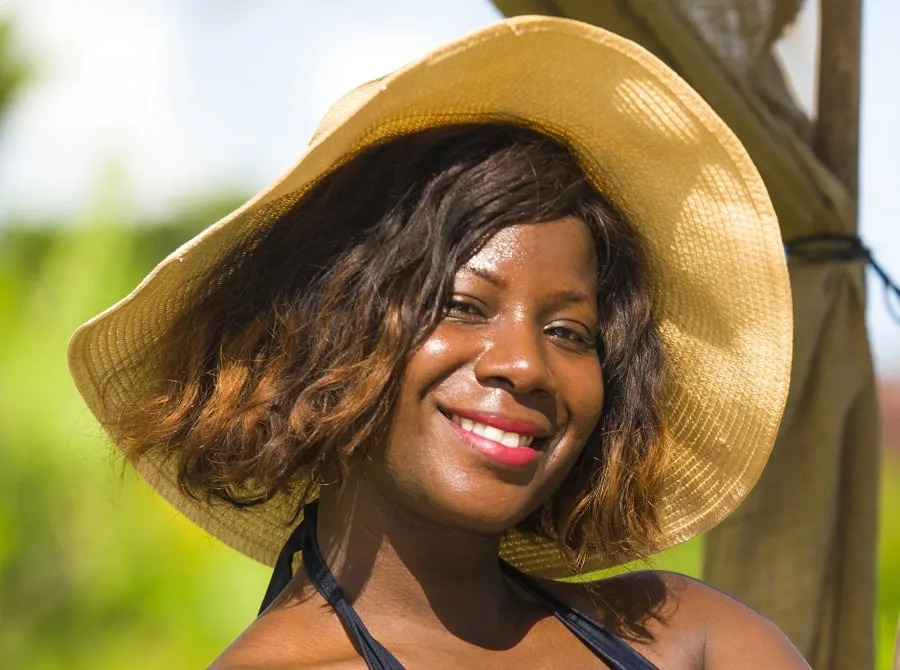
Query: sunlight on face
point(500, 399)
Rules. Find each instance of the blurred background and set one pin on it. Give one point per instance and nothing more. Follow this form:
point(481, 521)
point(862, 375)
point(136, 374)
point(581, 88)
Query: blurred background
point(125, 128)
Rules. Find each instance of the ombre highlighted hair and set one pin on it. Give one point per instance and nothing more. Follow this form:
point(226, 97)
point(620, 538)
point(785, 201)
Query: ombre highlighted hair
point(290, 358)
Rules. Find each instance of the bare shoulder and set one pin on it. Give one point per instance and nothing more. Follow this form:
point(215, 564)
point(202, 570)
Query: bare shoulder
point(678, 621)
point(262, 647)
point(737, 636)
point(294, 633)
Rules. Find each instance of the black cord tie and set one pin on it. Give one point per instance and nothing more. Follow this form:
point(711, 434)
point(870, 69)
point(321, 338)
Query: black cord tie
point(830, 247)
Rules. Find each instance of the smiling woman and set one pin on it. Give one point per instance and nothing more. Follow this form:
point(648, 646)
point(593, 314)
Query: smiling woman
point(483, 334)
point(427, 259)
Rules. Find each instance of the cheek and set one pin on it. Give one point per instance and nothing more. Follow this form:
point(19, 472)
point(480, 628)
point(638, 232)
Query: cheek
point(436, 360)
point(586, 399)
point(429, 367)
point(594, 396)
point(435, 346)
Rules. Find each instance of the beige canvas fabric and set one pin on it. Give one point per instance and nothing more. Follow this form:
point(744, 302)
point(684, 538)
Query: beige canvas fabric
point(896, 665)
point(801, 549)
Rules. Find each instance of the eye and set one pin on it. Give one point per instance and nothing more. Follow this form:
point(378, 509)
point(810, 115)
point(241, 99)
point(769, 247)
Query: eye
point(572, 338)
point(461, 309)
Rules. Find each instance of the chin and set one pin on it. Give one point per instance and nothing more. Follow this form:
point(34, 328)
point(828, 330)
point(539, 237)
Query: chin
point(450, 484)
point(474, 510)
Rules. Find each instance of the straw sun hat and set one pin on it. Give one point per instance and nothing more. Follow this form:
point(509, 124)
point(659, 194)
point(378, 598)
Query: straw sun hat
point(651, 145)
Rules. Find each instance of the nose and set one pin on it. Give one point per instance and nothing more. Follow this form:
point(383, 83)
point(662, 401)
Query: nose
point(515, 359)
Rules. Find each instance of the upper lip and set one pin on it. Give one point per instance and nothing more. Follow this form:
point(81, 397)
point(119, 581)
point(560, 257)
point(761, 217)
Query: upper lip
point(504, 423)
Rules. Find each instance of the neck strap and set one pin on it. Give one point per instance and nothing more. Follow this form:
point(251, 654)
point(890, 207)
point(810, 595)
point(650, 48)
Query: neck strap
point(304, 539)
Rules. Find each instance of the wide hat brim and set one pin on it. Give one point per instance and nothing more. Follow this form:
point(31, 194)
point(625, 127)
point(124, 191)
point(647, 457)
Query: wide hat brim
point(650, 144)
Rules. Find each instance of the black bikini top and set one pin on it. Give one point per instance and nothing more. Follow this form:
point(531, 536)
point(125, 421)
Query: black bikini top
point(610, 649)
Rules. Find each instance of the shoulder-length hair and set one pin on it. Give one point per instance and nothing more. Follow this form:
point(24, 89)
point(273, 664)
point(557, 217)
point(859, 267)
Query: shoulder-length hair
point(291, 354)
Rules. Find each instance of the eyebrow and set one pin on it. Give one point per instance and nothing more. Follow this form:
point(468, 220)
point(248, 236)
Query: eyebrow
point(556, 298)
point(569, 297)
point(484, 274)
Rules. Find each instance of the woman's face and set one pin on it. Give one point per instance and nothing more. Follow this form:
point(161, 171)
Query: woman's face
point(497, 403)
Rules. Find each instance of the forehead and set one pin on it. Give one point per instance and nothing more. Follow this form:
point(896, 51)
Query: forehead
point(559, 251)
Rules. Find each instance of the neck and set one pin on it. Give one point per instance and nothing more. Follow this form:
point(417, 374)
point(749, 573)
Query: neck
point(393, 564)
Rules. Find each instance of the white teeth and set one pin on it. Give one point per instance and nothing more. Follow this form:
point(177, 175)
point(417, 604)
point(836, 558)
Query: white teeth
point(495, 434)
point(505, 438)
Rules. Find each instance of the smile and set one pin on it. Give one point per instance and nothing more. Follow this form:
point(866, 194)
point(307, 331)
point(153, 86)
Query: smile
point(506, 438)
point(509, 444)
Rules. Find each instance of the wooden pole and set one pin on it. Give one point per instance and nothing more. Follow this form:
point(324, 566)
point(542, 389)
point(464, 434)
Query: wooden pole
point(836, 135)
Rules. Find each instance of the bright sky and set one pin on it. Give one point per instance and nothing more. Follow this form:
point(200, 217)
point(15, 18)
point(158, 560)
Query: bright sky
point(193, 98)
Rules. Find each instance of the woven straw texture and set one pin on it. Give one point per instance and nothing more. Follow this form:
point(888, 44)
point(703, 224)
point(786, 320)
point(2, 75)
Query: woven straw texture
point(651, 145)
point(801, 548)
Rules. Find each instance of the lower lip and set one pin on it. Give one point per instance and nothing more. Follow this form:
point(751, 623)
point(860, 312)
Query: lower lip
point(509, 456)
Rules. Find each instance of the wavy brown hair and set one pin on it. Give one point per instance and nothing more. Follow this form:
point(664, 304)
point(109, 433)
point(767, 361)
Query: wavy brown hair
point(290, 357)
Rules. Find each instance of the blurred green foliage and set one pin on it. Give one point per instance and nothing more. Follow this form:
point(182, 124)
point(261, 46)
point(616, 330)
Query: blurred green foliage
point(95, 571)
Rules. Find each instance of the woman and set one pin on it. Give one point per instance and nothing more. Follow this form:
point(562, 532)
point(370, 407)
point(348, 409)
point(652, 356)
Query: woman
point(519, 313)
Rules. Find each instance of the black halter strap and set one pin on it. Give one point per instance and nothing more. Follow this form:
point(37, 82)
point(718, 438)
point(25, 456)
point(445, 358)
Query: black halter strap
point(612, 649)
point(303, 539)
point(606, 646)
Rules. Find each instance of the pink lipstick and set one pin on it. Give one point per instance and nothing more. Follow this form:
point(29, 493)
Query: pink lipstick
point(503, 440)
